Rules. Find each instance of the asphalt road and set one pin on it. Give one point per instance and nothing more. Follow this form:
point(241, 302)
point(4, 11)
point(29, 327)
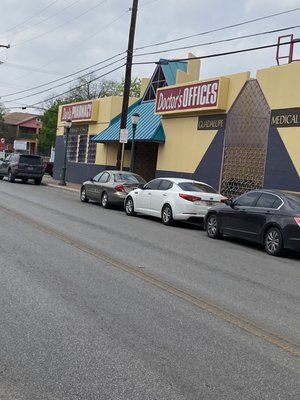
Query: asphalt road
point(98, 305)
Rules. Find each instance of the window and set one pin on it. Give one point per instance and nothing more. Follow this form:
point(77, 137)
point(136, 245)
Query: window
point(153, 185)
point(268, 200)
point(82, 148)
point(165, 185)
point(104, 177)
point(196, 187)
point(247, 199)
point(91, 156)
point(158, 81)
point(72, 148)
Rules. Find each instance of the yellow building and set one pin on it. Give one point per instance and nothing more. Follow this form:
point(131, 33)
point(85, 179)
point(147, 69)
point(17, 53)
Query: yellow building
point(235, 132)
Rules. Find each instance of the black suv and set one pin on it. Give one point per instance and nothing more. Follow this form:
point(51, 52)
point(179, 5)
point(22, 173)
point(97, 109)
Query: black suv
point(22, 166)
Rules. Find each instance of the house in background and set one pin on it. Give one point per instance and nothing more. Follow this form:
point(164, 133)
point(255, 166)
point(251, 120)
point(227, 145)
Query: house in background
point(20, 131)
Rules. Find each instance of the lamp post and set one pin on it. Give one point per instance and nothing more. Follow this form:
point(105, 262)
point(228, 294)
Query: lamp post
point(62, 181)
point(134, 121)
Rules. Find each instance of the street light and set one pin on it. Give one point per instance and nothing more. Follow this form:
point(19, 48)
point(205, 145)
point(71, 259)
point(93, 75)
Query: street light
point(134, 121)
point(62, 181)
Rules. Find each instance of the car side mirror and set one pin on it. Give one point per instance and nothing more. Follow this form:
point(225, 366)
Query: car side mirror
point(229, 203)
point(141, 185)
point(92, 179)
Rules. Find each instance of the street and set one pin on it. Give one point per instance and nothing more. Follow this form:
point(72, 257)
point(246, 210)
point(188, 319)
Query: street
point(99, 305)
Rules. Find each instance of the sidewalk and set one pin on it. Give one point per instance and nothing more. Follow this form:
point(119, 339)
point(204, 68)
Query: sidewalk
point(49, 181)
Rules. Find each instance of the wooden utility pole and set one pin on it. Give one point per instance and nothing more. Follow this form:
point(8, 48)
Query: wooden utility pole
point(127, 82)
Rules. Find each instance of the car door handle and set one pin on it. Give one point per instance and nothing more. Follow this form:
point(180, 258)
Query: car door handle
point(164, 194)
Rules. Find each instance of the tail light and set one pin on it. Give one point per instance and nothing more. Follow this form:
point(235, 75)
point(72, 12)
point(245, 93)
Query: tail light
point(120, 188)
point(297, 219)
point(224, 200)
point(189, 197)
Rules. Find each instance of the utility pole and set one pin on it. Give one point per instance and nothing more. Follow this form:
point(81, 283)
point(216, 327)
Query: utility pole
point(127, 82)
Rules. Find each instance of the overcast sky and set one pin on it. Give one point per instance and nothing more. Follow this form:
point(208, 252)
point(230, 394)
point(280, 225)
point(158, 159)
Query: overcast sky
point(52, 39)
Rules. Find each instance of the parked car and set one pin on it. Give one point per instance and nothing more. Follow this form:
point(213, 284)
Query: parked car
point(48, 167)
point(22, 166)
point(269, 217)
point(173, 199)
point(110, 187)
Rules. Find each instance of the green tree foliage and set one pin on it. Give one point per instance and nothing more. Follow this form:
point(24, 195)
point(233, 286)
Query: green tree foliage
point(47, 133)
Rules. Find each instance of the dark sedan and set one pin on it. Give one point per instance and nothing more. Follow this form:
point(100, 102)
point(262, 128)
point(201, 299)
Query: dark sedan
point(269, 217)
point(110, 187)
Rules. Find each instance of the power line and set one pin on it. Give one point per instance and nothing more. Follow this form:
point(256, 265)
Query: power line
point(67, 76)
point(215, 54)
point(219, 41)
point(30, 18)
point(218, 29)
point(59, 26)
point(65, 83)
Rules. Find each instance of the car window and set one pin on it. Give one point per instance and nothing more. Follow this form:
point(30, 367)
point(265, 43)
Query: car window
point(267, 200)
point(128, 178)
point(165, 185)
point(153, 185)
point(104, 177)
point(247, 199)
point(196, 187)
point(30, 160)
point(97, 177)
point(294, 201)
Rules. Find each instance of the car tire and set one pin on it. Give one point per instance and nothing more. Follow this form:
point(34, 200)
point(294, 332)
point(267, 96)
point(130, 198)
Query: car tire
point(37, 181)
point(129, 206)
point(167, 215)
point(273, 241)
point(104, 200)
point(213, 226)
point(83, 197)
point(10, 176)
point(24, 180)
point(1, 177)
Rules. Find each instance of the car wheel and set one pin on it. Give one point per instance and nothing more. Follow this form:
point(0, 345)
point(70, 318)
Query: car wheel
point(24, 180)
point(212, 227)
point(37, 181)
point(83, 197)
point(104, 200)
point(167, 215)
point(1, 177)
point(129, 206)
point(10, 176)
point(273, 241)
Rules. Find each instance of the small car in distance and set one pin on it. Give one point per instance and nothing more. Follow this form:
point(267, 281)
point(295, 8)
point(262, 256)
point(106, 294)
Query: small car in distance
point(22, 166)
point(173, 199)
point(110, 187)
point(268, 217)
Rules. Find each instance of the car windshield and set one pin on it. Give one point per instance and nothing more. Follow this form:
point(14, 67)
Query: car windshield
point(31, 160)
point(128, 178)
point(196, 187)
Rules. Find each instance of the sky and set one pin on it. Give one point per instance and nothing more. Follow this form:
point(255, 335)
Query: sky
point(54, 42)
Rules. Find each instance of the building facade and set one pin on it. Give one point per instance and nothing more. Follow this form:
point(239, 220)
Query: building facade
point(235, 132)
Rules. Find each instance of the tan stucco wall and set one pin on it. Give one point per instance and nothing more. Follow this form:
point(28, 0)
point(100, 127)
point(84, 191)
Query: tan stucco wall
point(281, 86)
point(185, 145)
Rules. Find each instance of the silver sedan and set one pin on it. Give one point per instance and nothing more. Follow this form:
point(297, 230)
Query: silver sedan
point(110, 187)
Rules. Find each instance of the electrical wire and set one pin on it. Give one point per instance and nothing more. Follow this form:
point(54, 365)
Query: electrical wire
point(29, 19)
point(215, 54)
point(66, 76)
point(218, 29)
point(59, 26)
point(219, 41)
point(65, 83)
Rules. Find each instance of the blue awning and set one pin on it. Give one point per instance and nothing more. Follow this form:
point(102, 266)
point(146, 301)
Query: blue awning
point(149, 128)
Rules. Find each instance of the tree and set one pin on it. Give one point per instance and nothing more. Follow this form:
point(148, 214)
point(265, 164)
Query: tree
point(47, 133)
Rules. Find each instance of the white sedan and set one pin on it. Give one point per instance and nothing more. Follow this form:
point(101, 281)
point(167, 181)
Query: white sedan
point(173, 199)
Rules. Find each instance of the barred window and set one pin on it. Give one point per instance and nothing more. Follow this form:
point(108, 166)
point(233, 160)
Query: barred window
point(91, 157)
point(82, 148)
point(72, 148)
